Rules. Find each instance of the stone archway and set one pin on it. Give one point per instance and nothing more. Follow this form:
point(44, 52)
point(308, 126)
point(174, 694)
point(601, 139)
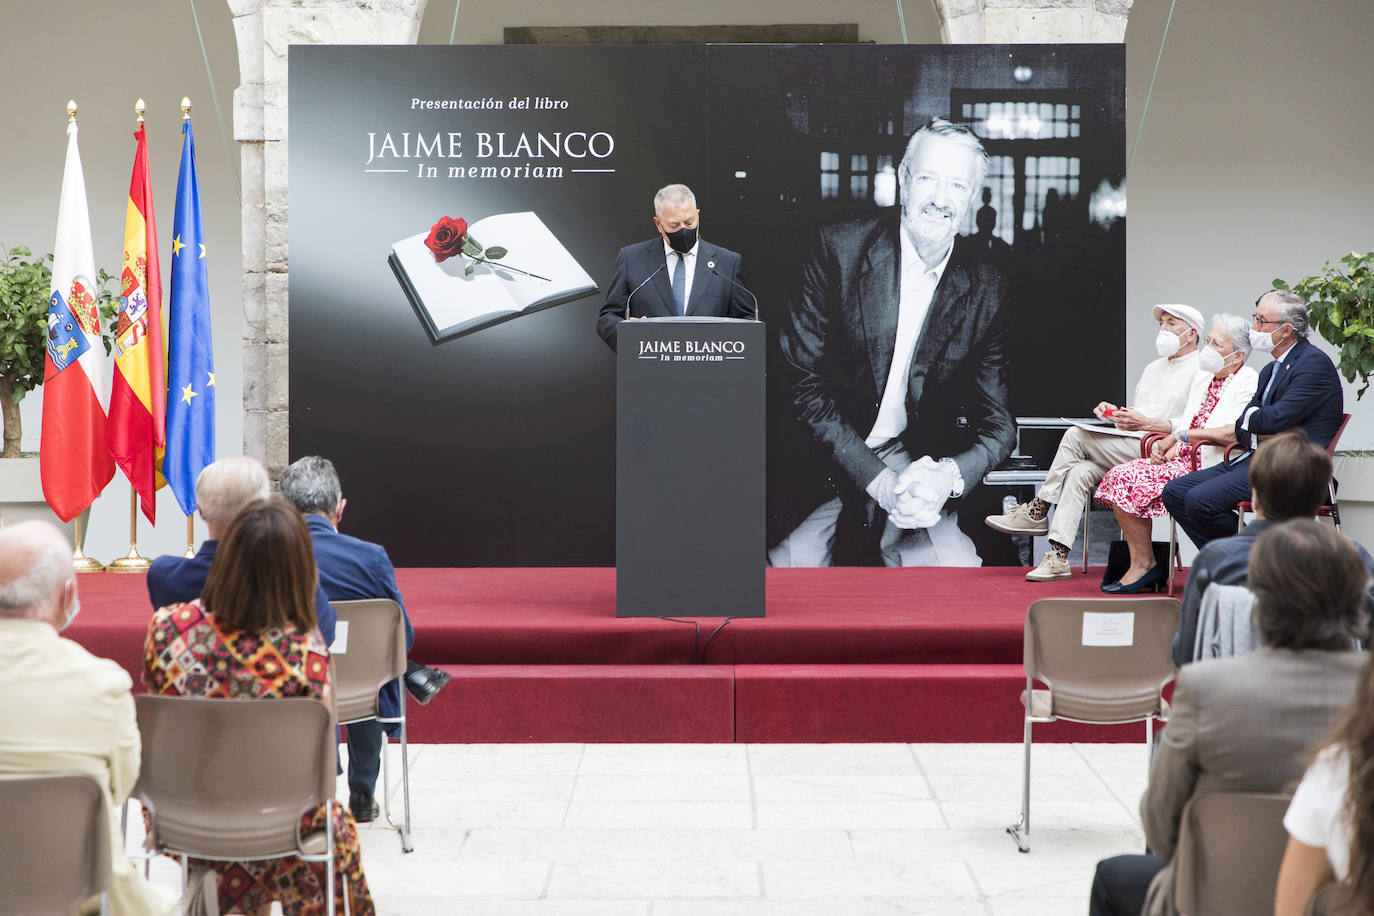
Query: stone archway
point(1023, 21)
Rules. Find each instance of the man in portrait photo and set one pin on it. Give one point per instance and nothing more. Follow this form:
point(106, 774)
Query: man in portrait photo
point(897, 342)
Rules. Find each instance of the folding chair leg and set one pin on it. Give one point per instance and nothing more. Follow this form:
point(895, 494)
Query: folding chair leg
point(1087, 532)
point(1020, 831)
point(1175, 561)
point(402, 828)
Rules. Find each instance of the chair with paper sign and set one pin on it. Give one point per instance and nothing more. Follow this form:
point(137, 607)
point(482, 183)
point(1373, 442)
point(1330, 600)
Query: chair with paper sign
point(1103, 661)
point(369, 651)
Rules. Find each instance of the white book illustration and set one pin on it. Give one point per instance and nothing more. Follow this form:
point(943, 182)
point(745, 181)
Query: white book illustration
point(451, 302)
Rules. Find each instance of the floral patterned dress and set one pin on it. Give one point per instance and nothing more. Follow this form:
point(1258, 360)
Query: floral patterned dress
point(189, 654)
point(1136, 485)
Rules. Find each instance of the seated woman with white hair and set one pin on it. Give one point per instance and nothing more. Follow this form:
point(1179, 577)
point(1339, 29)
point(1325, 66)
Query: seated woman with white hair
point(1218, 395)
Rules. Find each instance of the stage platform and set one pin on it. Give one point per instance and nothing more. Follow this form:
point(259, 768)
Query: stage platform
point(845, 654)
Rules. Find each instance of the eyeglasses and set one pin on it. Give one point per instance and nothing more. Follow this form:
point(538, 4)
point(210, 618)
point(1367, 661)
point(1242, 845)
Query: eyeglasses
point(1259, 322)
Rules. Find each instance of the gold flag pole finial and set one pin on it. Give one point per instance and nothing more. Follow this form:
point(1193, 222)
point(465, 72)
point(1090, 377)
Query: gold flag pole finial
point(71, 111)
point(185, 108)
point(140, 106)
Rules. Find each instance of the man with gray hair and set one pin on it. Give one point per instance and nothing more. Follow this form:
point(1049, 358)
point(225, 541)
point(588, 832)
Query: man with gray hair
point(1300, 389)
point(898, 343)
point(678, 273)
point(352, 569)
point(222, 489)
point(65, 710)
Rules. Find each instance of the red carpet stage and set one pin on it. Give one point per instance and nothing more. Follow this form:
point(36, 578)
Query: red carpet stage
point(537, 654)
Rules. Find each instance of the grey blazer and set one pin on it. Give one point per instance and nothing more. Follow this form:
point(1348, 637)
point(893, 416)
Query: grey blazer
point(1239, 724)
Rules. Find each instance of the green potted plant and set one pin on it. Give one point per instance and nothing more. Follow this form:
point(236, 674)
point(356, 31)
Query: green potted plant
point(1341, 305)
point(25, 285)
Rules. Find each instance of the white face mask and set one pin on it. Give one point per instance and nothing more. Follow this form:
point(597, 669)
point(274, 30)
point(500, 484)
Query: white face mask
point(1210, 360)
point(1167, 343)
point(1263, 341)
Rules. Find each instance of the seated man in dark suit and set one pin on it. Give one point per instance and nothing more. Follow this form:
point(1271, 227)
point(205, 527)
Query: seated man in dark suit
point(351, 569)
point(678, 273)
point(1288, 479)
point(222, 489)
point(1300, 389)
point(1245, 723)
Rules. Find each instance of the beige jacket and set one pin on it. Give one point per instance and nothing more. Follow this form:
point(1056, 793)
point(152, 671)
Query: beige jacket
point(1240, 724)
point(63, 709)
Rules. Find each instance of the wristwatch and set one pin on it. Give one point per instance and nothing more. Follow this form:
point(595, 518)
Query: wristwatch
point(956, 489)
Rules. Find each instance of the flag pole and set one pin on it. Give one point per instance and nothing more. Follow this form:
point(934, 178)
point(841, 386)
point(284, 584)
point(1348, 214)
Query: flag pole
point(190, 536)
point(133, 561)
point(81, 562)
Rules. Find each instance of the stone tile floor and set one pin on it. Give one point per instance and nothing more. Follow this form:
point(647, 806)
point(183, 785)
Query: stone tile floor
point(749, 830)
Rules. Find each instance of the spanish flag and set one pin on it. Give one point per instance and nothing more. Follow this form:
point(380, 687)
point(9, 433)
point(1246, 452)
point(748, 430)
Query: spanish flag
point(136, 430)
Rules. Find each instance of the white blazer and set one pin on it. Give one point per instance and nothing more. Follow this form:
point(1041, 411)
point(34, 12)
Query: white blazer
point(1236, 392)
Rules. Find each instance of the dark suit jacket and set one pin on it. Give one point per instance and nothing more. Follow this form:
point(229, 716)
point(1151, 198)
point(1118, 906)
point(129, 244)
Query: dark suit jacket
point(711, 295)
point(1307, 395)
point(1239, 724)
point(839, 338)
point(1226, 561)
point(172, 580)
point(351, 569)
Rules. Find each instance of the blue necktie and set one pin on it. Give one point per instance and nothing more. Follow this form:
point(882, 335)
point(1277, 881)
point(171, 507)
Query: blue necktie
point(680, 283)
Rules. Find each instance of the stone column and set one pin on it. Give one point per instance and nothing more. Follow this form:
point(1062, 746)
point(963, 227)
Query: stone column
point(1032, 21)
point(264, 29)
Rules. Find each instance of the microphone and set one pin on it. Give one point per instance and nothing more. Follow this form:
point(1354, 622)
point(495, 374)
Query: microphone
point(711, 266)
point(661, 268)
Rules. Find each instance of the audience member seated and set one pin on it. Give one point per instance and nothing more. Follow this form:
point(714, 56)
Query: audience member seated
point(252, 635)
point(1331, 819)
point(1219, 393)
point(351, 569)
point(1288, 479)
point(222, 489)
point(64, 709)
point(1083, 457)
point(1300, 389)
point(1241, 724)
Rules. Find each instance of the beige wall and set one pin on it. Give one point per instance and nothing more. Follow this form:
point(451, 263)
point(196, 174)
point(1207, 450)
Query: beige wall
point(1254, 161)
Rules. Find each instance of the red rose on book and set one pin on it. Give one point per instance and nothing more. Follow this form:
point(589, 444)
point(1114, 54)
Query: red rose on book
point(446, 238)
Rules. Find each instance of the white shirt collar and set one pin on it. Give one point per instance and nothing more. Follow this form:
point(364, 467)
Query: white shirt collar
point(669, 251)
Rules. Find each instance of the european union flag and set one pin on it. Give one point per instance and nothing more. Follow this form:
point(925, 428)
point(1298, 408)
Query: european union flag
point(190, 353)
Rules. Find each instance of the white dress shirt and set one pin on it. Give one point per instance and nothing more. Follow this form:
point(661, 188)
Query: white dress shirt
point(918, 284)
point(689, 264)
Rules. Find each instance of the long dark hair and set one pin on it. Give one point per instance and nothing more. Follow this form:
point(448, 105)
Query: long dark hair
point(1355, 735)
point(263, 574)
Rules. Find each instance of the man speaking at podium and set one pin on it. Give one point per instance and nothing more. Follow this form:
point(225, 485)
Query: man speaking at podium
point(898, 339)
point(678, 273)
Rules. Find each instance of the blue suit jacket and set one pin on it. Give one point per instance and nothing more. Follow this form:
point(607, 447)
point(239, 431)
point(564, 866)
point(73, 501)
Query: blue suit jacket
point(1307, 395)
point(711, 295)
point(352, 569)
point(172, 580)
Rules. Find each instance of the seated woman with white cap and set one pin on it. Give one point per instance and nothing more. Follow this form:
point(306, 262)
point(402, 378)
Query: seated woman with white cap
point(1220, 391)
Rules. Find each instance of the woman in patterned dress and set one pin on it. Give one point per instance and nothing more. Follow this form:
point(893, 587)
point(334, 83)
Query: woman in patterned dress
point(252, 635)
point(1219, 393)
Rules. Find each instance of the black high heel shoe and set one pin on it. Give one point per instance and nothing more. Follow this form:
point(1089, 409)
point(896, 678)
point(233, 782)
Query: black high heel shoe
point(1152, 579)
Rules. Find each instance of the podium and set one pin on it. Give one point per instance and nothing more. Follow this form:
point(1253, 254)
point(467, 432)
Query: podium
point(689, 507)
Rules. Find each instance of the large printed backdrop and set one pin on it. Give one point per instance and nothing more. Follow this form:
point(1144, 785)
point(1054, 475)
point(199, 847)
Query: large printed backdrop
point(496, 448)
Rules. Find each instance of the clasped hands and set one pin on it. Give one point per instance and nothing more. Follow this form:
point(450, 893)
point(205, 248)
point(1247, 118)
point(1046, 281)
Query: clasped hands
point(915, 497)
point(1163, 450)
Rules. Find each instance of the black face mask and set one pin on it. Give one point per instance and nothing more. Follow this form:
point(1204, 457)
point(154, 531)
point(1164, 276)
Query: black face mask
point(683, 239)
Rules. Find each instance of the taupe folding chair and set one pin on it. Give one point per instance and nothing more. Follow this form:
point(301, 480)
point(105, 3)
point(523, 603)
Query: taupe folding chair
point(1105, 661)
point(375, 654)
point(229, 780)
point(1216, 874)
point(55, 850)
